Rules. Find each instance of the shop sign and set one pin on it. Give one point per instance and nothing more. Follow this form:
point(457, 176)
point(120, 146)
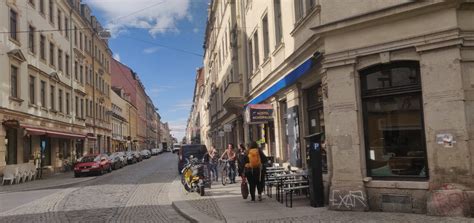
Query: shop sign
point(11, 123)
point(221, 133)
point(227, 128)
point(260, 113)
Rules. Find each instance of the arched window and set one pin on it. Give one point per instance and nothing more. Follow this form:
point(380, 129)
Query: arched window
point(393, 120)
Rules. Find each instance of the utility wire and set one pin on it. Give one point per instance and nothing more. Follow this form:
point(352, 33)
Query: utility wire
point(113, 21)
point(165, 46)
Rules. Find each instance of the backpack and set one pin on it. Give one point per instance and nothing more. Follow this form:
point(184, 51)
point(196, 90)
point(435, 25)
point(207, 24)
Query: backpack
point(254, 158)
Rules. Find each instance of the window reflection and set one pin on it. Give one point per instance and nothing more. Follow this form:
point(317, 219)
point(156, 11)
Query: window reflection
point(393, 121)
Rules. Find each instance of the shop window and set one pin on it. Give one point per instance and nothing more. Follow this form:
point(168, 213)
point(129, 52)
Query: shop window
point(393, 120)
point(11, 144)
point(47, 152)
point(314, 99)
point(27, 149)
point(314, 103)
point(285, 153)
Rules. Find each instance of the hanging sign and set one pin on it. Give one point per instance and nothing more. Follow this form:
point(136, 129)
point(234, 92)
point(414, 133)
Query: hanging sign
point(227, 128)
point(221, 133)
point(259, 113)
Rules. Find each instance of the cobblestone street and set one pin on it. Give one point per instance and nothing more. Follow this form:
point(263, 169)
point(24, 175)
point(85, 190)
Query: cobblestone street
point(135, 193)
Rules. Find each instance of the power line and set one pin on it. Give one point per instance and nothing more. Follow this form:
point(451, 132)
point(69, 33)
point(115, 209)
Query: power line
point(135, 12)
point(164, 46)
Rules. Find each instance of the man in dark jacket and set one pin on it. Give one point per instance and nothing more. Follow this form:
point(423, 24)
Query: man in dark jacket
point(255, 175)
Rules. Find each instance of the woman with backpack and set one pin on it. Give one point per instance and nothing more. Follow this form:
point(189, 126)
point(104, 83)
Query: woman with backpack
point(254, 170)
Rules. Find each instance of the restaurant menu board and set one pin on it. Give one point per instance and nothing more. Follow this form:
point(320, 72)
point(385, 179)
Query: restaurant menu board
point(292, 131)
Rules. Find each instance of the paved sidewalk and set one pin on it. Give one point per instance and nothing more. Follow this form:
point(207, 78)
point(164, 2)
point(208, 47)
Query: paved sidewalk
point(225, 204)
point(53, 181)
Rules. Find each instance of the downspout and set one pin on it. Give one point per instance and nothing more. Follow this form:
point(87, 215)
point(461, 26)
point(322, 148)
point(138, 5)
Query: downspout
point(71, 51)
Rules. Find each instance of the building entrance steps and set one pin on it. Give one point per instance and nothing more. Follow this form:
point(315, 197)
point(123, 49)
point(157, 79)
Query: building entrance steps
point(225, 204)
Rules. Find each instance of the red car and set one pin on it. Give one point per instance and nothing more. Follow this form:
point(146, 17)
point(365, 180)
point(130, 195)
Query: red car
point(95, 164)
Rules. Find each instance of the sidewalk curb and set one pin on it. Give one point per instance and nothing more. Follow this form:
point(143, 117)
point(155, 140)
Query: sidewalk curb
point(178, 202)
point(57, 186)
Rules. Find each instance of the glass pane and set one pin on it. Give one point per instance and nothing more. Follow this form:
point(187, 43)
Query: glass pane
point(392, 77)
point(313, 117)
point(395, 136)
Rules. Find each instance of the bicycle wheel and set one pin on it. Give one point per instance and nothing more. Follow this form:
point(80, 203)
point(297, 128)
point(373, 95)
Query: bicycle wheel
point(224, 176)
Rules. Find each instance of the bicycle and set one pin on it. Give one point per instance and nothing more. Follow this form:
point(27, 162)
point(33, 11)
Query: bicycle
point(225, 171)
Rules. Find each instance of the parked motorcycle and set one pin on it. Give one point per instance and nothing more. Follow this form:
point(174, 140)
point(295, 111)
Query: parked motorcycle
point(195, 176)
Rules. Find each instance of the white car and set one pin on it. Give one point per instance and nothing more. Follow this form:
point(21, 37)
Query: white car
point(156, 151)
point(176, 148)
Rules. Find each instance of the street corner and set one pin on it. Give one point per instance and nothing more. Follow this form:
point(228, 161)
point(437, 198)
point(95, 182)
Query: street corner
point(192, 206)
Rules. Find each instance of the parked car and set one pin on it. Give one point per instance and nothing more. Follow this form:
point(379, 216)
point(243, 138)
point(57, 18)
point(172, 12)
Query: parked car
point(155, 151)
point(145, 154)
point(137, 156)
point(92, 164)
point(176, 148)
point(131, 159)
point(196, 150)
point(124, 158)
point(116, 160)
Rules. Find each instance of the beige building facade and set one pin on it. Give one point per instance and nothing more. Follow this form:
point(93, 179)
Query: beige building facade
point(43, 108)
point(120, 121)
point(386, 84)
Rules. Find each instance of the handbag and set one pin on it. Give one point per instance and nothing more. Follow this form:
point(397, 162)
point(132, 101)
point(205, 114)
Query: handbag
point(244, 188)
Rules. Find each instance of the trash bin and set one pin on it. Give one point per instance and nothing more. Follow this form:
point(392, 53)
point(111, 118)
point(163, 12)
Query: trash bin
point(315, 170)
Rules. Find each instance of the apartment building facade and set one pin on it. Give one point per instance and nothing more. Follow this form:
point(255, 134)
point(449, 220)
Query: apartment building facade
point(374, 80)
point(43, 106)
point(193, 127)
point(120, 120)
point(223, 76)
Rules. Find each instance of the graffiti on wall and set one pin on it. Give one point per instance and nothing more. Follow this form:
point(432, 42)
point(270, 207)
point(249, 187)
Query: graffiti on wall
point(448, 203)
point(348, 199)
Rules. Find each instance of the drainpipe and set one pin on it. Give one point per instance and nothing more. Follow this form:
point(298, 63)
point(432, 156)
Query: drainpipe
point(71, 51)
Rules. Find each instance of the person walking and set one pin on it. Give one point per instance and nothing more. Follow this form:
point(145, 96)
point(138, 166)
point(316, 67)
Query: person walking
point(231, 157)
point(241, 154)
point(254, 170)
point(213, 160)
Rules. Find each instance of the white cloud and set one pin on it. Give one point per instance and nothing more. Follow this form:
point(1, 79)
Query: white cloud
point(196, 30)
point(178, 128)
point(158, 90)
point(116, 57)
point(151, 50)
point(158, 16)
point(181, 106)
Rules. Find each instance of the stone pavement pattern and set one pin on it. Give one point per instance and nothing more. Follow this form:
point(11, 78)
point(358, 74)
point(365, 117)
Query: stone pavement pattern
point(135, 193)
point(54, 181)
point(229, 202)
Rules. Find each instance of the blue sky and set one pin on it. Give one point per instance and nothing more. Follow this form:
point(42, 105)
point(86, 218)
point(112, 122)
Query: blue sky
point(162, 41)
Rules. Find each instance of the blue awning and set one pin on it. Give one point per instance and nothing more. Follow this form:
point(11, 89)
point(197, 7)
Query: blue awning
point(286, 81)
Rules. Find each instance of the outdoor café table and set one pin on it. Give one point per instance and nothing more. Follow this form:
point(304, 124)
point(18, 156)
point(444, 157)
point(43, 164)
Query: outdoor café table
point(275, 168)
point(275, 171)
point(270, 179)
point(290, 178)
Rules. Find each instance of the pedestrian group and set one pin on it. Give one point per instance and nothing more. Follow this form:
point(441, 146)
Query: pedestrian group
point(249, 164)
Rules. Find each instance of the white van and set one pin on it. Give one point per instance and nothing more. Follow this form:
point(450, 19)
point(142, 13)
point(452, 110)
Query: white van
point(176, 147)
